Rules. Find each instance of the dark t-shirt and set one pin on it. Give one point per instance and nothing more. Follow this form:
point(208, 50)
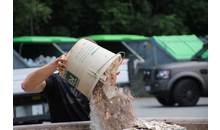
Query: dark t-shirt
point(66, 103)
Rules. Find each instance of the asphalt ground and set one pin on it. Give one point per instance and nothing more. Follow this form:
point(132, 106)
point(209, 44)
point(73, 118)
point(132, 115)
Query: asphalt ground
point(149, 107)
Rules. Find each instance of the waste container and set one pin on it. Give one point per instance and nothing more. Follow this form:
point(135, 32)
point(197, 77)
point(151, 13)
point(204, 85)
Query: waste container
point(27, 48)
point(158, 50)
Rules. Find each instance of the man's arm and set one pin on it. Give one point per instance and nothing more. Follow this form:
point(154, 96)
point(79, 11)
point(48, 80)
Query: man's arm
point(35, 81)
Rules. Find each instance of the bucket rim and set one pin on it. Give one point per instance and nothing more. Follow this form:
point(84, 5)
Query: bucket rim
point(102, 71)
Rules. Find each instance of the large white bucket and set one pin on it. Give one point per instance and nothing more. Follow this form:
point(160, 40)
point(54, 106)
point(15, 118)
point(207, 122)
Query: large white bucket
point(86, 64)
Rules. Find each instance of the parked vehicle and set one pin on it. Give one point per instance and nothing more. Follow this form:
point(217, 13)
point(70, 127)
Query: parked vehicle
point(181, 82)
point(27, 107)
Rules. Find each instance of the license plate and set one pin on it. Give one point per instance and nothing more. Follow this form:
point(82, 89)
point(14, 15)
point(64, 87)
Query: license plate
point(37, 109)
point(147, 88)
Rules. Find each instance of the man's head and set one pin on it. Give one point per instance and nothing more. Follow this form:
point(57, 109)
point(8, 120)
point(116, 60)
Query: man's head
point(90, 40)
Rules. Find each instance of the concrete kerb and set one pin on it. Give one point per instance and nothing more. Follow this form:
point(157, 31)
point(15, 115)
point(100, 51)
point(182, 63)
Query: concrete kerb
point(188, 123)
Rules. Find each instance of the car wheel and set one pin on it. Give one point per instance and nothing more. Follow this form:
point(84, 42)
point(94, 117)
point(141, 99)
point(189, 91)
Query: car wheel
point(186, 92)
point(165, 101)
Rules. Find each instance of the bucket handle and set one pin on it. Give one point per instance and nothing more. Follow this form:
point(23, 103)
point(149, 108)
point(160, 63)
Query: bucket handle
point(111, 58)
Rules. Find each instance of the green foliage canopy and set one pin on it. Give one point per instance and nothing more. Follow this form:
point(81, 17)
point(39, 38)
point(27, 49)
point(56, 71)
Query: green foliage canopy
point(90, 17)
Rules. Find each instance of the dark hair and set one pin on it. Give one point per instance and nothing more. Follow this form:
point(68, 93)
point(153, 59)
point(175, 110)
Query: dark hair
point(90, 40)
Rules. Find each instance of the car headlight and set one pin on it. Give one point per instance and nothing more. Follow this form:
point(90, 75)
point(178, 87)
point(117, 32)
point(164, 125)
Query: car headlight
point(162, 74)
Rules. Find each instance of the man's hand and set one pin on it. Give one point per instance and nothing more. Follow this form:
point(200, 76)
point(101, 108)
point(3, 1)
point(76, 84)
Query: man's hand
point(61, 63)
point(114, 77)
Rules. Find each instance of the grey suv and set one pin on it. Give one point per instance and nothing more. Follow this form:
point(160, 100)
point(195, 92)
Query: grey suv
point(182, 82)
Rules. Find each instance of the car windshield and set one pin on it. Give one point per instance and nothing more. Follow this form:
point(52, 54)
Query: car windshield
point(202, 54)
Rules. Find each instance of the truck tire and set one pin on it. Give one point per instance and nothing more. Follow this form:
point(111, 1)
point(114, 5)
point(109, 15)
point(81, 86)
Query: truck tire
point(186, 92)
point(165, 102)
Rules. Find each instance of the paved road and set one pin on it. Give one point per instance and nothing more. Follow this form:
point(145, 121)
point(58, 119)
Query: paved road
point(150, 107)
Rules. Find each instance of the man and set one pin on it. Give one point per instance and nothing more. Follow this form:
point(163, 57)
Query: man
point(66, 103)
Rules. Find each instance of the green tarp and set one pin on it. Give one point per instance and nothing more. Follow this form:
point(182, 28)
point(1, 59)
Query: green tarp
point(180, 46)
point(116, 37)
point(44, 39)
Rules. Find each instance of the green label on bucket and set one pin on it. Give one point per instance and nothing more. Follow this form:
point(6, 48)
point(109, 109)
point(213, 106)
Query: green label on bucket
point(72, 79)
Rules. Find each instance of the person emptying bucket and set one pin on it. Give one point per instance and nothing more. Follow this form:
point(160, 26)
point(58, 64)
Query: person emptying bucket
point(66, 103)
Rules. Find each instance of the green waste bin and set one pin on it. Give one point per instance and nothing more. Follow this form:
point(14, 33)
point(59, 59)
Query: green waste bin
point(31, 47)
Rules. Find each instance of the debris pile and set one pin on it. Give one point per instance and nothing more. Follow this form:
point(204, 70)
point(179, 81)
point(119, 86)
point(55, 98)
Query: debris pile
point(153, 125)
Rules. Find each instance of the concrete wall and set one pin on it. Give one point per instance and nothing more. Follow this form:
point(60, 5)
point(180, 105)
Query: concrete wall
point(188, 123)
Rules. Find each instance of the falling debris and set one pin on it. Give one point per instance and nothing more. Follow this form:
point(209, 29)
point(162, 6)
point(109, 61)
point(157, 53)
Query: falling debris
point(110, 109)
point(113, 110)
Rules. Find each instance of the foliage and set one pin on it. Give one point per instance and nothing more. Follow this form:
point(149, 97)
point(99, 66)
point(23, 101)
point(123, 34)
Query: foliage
point(88, 17)
point(23, 10)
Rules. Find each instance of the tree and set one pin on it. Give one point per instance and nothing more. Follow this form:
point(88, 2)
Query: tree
point(89, 17)
point(23, 10)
